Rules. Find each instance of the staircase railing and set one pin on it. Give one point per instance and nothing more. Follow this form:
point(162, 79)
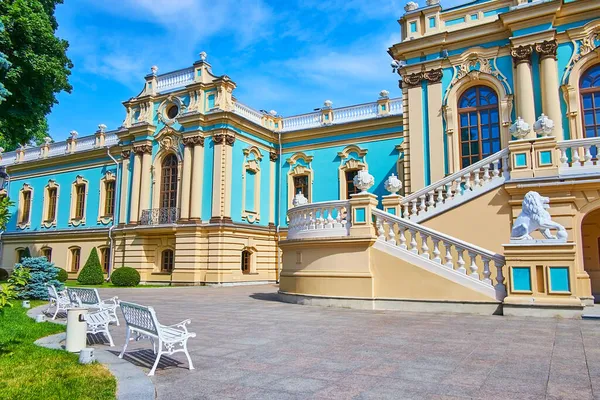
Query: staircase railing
point(463, 184)
point(323, 219)
point(440, 248)
point(583, 156)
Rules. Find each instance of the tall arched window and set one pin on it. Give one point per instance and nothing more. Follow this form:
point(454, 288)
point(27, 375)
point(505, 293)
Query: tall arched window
point(479, 124)
point(589, 88)
point(168, 184)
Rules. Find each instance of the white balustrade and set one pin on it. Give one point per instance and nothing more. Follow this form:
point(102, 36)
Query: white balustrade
point(459, 187)
point(174, 79)
point(304, 121)
point(396, 106)
point(324, 219)
point(248, 112)
point(355, 113)
point(579, 156)
point(391, 226)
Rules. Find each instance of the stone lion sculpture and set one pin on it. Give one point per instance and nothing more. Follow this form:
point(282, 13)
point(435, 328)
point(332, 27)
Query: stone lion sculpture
point(534, 217)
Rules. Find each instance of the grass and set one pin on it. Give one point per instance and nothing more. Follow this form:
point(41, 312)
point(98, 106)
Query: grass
point(28, 371)
point(107, 285)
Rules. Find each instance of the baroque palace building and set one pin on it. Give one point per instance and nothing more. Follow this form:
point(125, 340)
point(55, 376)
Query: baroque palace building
point(499, 99)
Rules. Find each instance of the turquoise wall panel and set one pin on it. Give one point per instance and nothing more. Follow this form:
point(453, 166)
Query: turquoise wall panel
point(207, 179)
point(559, 279)
point(521, 279)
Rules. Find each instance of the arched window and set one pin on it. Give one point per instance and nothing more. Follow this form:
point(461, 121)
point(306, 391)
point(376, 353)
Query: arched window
point(168, 185)
point(167, 259)
point(350, 188)
point(589, 89)
point(246, 261)
point(479, 124)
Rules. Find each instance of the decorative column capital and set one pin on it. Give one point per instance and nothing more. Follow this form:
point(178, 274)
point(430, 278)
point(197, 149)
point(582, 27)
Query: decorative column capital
point(433, 75)
point(193, 140)
point(142, 149)
point(522, 54)
point(224, 138)
point(412, 80)
point(273, 156)
point(126, 153)
point(547, 49)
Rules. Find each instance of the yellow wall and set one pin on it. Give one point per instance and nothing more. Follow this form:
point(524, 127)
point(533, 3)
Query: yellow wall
point(590, 231)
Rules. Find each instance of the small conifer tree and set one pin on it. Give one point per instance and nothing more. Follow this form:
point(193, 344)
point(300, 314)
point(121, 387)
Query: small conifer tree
point(92, 273)
point(41, 273)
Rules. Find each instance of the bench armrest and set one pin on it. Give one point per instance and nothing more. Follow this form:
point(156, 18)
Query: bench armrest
point(182, 325)
point(114, 300)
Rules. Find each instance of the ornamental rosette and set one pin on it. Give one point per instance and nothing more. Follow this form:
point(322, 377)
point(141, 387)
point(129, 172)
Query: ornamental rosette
point(363, 181)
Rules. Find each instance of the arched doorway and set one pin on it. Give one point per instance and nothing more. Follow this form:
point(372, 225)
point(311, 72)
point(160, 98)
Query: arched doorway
point(590, 234)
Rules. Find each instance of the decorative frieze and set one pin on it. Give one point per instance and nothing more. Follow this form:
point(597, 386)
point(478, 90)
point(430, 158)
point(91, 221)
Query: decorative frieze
point(546, 49)
point(126, 153)
point(226, 138)
point(273, 156)
point(193, 140)
point(433, 75)
point(522, 54)
point(142, 149)
point(415, 79)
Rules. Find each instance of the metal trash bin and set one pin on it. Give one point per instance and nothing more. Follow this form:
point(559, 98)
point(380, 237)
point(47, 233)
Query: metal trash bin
point(76, 330)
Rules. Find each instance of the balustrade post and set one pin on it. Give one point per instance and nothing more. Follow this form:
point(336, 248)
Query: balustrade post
point(486, 271)
point(436, 250)
point(448, 258)
point(393, 204)
point(424, 246)
point(473, 267)
point(402, 235)
point(391, 233)
point(461, 261)
point(500, 285)
point(362, 206)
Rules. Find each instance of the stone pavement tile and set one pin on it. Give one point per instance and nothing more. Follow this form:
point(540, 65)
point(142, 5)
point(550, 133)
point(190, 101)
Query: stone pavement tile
point(575, 380)
point(260, 380)
point(213, 351)
point(380, 369)
point(422, 374)
point(567, 392)
point(469, 377)
point(299, 385)
point(524, 386)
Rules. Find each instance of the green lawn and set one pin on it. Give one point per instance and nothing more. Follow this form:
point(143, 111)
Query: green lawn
point(31, 372)
point(106, 285)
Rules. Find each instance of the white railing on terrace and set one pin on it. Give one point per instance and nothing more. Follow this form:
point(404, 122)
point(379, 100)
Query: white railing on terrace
point(323, 219)
point(355, 113)
point(442, 249)
point(457, 188)
point(85, 143)
point(174, 79)
point(303, 121)
point(111, 139)
point(579, 156)
point(248, 112)
point(57, 149)
point(396, 106)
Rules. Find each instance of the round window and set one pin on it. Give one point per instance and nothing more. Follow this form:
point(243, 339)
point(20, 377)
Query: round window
point(172, 111)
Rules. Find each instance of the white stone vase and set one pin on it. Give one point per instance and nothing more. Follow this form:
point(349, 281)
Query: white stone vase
point(543, 126)
point(392, 184)
point(519, 129)
point(363, 181)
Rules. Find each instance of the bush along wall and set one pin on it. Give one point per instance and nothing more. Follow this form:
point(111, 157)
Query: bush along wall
point(125, 276)
point(42, 273)
point(92, 273)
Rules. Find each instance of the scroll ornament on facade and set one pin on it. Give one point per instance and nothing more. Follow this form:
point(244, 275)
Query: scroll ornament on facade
point(392, 184)
point(363, 181)
point(535, 217)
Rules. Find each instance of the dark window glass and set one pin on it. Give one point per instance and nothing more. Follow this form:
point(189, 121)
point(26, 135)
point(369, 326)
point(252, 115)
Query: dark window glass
point(301, 185)
point(47, 252)
point(79, 201)
point(172, 111)
point(246, 261)
point(26, 207)
point(589, 88)
point(168, 186)
point(52, 196)
point(109, 205)
point(479, 125)
point(105, 258)
point(75, 256)
point(167, 260)
point(350, 188)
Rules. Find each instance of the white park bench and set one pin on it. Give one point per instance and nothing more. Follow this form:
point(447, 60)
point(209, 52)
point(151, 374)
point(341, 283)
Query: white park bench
point(57, 299)
point(97, 322)
point(89, 298)
point(142, 321)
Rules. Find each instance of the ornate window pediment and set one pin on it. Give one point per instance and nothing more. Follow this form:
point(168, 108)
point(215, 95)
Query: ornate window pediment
point(348, 150)
point(300, 156)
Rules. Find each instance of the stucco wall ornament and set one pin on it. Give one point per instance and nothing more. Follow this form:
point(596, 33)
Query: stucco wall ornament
point(221, 138)
point(363, 180)
point(415, 79)
point(193, 140)
point(543, 126)
point(392, 184)
point(535, 217)
point(522, 54)
point(583, 47)
point(546, 49)
point(519, 129)
point(142, 148)
point(299, 200)
point(170, 143)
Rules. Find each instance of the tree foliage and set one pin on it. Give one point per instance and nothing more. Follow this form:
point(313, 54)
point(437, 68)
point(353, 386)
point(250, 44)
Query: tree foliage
point(39, 69)
point(5, 204)
point(42, 273)
point(8, 291)
point(92, 273)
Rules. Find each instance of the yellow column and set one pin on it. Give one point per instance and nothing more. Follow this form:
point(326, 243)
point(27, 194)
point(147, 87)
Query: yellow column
point(186, 179)
point(145, 179)
point(221, 207)
point(415, 130)
point(272, 178)
point(124, 186)
point(436, 131)
point(550, 84)
point(135, 188)
point(197, 179)
point(525, 99)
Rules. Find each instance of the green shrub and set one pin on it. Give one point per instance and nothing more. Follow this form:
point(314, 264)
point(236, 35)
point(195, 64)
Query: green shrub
point(62, 275)
point(41, 273)
point(3, 274)
point(91, 273)
point(125, 276)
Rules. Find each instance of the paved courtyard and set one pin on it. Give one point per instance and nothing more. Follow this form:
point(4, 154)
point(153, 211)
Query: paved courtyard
point(251, 346)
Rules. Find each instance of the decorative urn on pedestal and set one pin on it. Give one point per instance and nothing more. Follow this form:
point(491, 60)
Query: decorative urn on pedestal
point(392, 184)
point(519, 129)
point(543, 126)
point(363, 181)
point(299, 200)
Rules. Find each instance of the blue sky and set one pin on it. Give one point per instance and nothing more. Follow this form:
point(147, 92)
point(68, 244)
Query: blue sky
point(289, 55)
